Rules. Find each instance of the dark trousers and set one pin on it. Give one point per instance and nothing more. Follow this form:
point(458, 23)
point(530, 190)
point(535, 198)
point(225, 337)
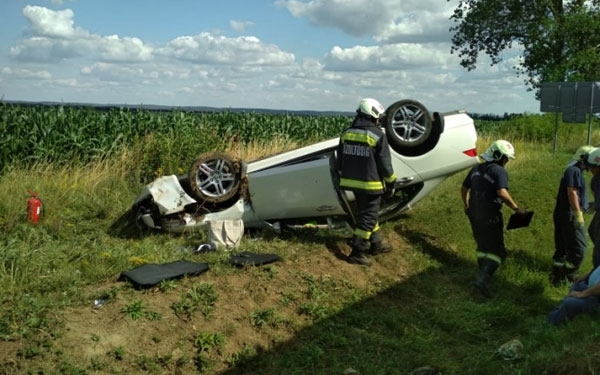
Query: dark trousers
point(488, 231)
point(570, 241)
point(594, 232)
point(571, 306)
point(366, 225)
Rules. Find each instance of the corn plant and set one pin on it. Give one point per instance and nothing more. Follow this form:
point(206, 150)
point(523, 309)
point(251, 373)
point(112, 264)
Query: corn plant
point(165, 141)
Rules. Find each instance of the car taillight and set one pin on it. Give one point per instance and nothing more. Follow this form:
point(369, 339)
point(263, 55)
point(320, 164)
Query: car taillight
point(472, 152)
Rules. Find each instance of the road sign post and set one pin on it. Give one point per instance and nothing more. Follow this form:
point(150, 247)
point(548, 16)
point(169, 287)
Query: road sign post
point(575, 100)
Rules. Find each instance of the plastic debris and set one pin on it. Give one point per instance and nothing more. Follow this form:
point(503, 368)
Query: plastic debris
point(511, 350)
point(204, 248)
point(425, 370)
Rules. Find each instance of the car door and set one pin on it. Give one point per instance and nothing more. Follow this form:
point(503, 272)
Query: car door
point(301, 189)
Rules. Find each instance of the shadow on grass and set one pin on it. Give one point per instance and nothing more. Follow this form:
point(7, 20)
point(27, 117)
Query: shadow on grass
point(429, 319)
point(125, 227)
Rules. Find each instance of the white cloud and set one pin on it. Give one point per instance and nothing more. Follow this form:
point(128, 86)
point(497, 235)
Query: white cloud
point(26, 73)
point(206, 48)
point(36, 49)
point(55, 39)
point(117, 72)
point(69, 82)
point(387, 57)
point(385, 21)
point(52, 24)
point(355, 17)
point(114, 48)
point(240, 26)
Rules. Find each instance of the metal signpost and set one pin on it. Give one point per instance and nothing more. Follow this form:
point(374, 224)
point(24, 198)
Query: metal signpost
point(574, 99)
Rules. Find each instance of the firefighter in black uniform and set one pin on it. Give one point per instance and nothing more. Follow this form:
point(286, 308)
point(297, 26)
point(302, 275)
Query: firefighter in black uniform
point(483, 192)
point(365, 168)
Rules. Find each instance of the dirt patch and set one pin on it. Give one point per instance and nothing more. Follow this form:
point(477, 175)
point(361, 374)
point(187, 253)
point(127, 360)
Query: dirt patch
point(112, 341)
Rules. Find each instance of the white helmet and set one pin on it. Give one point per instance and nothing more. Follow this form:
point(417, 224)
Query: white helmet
point(371, 107)
point(581, 151)
point(498, 149)
point(593, 157)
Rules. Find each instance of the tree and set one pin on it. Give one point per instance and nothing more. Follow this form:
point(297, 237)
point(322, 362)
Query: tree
point(559, 40)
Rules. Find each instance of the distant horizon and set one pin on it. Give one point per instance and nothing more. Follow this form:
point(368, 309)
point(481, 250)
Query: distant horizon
point(201, 108)
point(159, 106)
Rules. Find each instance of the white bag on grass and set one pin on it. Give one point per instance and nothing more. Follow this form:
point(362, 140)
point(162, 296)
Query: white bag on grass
point(225, 234)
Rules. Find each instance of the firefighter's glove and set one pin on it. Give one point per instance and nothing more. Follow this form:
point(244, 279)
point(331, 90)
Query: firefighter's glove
point(389, 191)
point(578, 219)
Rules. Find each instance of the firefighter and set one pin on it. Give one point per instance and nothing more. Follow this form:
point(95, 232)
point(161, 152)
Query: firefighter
point(365, 167)
point(593, 161)
point(570, 241)
point(483, 192)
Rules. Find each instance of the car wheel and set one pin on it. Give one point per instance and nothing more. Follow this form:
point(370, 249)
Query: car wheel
point(214, 177)
point(408, 126)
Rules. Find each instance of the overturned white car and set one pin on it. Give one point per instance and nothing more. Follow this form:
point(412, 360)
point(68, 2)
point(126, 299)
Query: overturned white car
point(300, 186)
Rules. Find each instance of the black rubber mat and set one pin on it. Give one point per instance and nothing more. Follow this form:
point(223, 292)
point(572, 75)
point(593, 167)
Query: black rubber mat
point(151, 274)
point(252, 259)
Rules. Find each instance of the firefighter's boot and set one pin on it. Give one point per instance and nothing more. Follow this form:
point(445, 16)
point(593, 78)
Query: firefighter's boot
point(487, 267)
point(359, 250)
point(558, 275)
point(379, 248)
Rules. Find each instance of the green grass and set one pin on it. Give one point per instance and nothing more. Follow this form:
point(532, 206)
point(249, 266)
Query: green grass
point(414, 311)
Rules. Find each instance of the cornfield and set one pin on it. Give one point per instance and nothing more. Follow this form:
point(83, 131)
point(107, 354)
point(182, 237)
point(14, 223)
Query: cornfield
point(69, 134)
point(167, 141)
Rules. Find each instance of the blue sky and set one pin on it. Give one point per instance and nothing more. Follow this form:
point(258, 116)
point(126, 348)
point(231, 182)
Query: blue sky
point(319, 55)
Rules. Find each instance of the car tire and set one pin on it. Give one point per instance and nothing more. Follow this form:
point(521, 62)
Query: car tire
point(214, 177)
point(410, 128)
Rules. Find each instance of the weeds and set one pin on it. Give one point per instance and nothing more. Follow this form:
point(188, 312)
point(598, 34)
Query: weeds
point(314, 311)
point(268, 273)
point(243, 358)
point(288, 298)
point(166, 286)
point(153, 315)
point(97, 364)
point(259, 318)
point(68, 368)
point(209, 345)
point(201, 297)
point(107, 295)
point(29, 352)
point(117, 353)
point(135, 310)
point(206, 342)
point(154, 364)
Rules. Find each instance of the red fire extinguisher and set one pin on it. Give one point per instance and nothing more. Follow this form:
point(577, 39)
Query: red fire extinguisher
point(34, 207)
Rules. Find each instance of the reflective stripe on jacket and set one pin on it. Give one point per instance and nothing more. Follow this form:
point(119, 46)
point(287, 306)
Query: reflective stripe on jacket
point(363, 158)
